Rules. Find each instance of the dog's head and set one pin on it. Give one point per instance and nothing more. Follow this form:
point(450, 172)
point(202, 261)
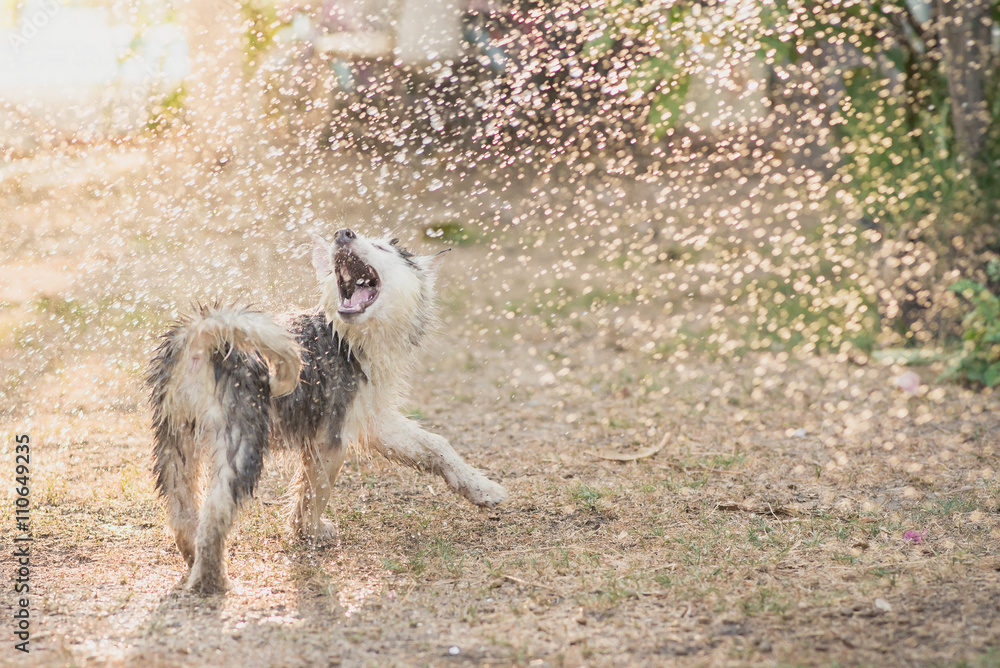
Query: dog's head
point(375, 284)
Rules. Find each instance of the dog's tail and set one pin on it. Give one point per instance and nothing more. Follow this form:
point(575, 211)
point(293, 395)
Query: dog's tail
point(183, 376)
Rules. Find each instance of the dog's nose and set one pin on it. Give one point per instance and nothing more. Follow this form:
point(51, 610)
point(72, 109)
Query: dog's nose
point(343, 237)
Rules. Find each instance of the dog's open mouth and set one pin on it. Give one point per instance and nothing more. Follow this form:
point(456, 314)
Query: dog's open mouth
point(358, 283)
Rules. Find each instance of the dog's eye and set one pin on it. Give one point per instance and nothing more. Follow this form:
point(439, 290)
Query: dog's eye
point(394, 242)
point(382, 248)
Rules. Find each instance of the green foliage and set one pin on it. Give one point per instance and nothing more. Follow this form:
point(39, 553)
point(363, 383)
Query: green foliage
point(980, 359)
point(897, 149)
point(166, 109)
point(452, 233)
point(587, 497)
point(898, 152)
point(261, 26)
point(662, 75)
point(902, 166)
point(832, 314)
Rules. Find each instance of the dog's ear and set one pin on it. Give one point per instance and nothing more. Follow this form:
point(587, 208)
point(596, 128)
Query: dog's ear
point(431, 263)
point(322, 258)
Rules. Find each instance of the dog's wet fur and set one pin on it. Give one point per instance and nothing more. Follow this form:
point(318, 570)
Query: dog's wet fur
point(228, 383)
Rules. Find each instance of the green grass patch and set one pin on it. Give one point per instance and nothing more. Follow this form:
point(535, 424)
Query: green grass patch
point(452, 233)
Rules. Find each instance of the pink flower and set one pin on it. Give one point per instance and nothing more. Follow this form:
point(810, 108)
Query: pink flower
point(909, 382)
point(912, 536)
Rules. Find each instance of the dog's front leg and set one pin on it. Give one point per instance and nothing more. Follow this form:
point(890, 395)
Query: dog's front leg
point(321, 462)
point(401, 440)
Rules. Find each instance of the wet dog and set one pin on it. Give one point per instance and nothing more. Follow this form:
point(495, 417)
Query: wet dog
point(228, 383)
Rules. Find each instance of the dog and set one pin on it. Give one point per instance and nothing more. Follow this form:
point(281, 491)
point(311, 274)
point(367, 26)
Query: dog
point(228, 383)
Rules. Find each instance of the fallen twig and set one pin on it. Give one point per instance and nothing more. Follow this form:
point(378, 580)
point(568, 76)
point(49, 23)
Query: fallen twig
point(696, 469)
point(782, 511)
point(631, 456)
point(528, 584)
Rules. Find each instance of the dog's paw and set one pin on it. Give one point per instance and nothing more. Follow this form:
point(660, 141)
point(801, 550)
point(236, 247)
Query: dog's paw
point(485, 492)
point(207, 582)
point(186, 547)
point(324, 532)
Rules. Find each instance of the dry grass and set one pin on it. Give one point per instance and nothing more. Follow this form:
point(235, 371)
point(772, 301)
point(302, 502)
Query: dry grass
point(768, 530)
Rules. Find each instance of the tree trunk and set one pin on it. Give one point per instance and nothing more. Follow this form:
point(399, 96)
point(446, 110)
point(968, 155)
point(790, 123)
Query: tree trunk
point(965, 30)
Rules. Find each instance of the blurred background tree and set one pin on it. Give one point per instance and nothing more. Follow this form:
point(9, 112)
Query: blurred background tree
point(899, 98)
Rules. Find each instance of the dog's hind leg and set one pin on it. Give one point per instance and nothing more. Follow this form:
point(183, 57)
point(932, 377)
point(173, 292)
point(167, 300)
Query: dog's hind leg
point(236, 428)
point(176, 467)
point(401, 440)
point(218, 512)
point(236, 461)
point(322, 460)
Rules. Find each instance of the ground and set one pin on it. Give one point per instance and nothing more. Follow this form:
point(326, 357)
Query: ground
point(776, 506)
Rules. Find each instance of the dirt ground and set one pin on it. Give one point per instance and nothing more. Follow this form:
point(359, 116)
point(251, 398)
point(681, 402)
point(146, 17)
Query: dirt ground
point(780, 508)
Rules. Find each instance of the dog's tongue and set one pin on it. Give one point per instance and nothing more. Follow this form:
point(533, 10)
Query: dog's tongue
point(360, 296)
